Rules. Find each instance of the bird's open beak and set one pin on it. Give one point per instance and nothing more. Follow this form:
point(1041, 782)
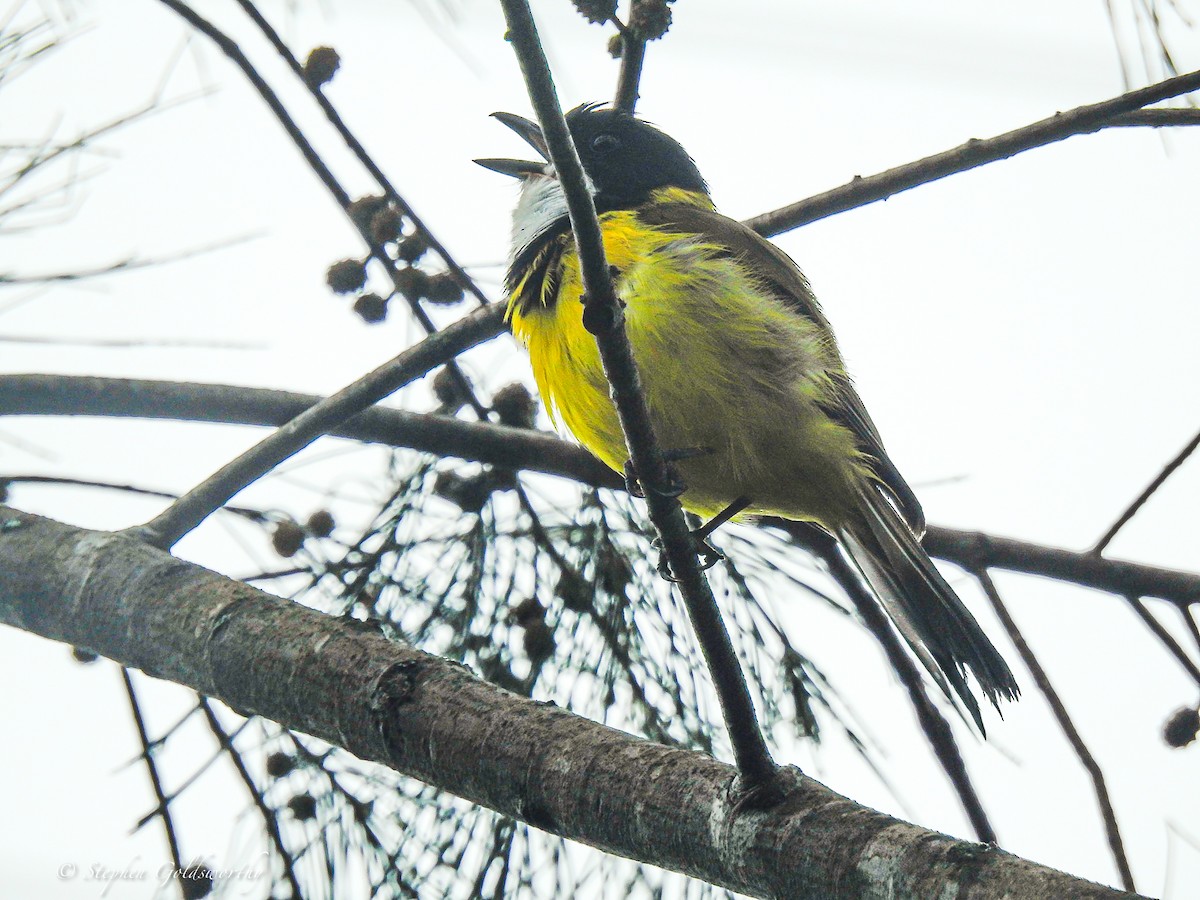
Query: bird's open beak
point(520, 168)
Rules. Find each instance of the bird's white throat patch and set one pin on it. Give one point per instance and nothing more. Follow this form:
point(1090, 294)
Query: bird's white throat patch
point(541, 205)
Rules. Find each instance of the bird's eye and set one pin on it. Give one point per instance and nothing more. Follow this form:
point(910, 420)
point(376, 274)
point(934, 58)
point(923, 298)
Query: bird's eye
point(605, 143)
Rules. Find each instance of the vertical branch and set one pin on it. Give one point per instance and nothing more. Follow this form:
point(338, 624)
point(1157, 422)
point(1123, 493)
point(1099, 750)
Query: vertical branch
point(633, 54)
point(1107, 813)
point(603, 318)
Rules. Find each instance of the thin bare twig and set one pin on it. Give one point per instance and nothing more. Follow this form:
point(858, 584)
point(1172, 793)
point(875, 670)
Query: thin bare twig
point(196, 505)
point(933, 723)
point(163, 809)
point(1145, 495)
point(51, 152)
point(125, 265)
point(1115, 845)
point(1156, 118)
point(231, 49)
point(974, 153)
point(7, 480)
point(602, 316)
point(1189, 622)
point(1156, 627)
point(360, 153)
point(633, 54)
point(270, 816)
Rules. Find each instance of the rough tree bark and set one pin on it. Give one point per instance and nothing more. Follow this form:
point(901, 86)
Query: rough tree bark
point(431, 719)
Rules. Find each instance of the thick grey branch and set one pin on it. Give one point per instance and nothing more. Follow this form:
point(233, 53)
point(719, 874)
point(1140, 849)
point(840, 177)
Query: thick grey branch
point(433, 720)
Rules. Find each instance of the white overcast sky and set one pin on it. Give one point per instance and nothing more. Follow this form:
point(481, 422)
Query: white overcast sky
point(1025, 336)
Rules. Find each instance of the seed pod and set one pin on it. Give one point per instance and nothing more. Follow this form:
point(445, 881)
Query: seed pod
point(448, 390)
point(320, 66)
point(195, 881)
point(1182, 728)
point(411, 282)
point(320, 523)
point(538, 641)
point(412, 248)
point(346, 276)
point(363, 210)
point(528, 610)
point(650, 18)
point(596, 11)
point(469, 494)
point(515, 406)
point(287, 538)
point(371, 308)
point(280, 763)
point(303, 807)
point(386, 225)
point(444, 289)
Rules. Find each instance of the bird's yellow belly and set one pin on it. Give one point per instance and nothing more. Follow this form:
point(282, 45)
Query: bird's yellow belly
point(724, 367)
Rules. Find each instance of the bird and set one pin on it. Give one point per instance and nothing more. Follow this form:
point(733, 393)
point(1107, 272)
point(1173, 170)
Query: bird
point(743, 377)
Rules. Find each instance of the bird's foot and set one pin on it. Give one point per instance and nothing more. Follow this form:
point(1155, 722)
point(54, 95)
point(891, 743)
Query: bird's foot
point(674, 484)
point(707, 555)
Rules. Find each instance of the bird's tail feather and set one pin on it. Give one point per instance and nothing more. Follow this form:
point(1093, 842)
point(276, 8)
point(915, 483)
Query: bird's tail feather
point(933, 620)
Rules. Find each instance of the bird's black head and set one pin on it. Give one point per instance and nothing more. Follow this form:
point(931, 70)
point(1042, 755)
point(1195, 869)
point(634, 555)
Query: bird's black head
point(625, 157)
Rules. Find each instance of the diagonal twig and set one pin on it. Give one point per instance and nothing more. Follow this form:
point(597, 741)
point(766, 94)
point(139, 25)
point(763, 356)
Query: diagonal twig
point(933, 723)
point(270, 817)
point(602, 316)
point(1115, 845)
point(1145, 495)
point(231, 49)
point(1165, 637)
point(196, 505)
point(360, 152)
point(973, 153)
point(163, 808)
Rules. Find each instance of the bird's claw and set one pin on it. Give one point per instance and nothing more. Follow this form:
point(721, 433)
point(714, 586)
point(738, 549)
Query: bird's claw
point(673, 484)
point(707, 556)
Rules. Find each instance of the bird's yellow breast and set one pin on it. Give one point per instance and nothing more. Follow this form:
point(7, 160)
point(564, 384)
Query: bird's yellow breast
point(724, 364)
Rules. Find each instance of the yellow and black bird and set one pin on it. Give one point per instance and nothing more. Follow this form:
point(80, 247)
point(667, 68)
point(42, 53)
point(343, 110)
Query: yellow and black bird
point(735, 357)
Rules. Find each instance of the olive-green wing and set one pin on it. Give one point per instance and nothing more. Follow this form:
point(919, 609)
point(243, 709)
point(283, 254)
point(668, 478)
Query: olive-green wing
point(776, 271)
